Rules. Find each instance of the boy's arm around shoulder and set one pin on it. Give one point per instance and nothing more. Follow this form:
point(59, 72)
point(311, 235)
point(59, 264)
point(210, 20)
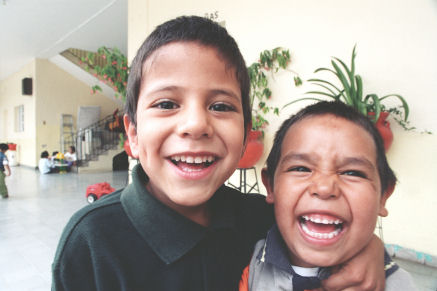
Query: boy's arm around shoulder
point(364, 271)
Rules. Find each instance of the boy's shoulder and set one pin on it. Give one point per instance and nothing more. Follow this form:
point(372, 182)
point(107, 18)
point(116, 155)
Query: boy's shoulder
point(88, 221)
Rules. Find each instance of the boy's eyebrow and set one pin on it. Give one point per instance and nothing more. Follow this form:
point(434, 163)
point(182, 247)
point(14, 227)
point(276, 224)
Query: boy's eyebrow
point(225, 92)
point(362, 161)
point(296, 157)
point(212, 92)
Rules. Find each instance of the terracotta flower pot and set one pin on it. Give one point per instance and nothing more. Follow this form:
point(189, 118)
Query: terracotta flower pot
point(254, 150)
point(384, 129)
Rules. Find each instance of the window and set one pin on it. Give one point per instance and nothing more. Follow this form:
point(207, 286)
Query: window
point(19, 118)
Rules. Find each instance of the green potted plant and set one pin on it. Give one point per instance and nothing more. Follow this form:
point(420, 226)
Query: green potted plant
point(350, 91)
point(110, 66)
point(270, 61)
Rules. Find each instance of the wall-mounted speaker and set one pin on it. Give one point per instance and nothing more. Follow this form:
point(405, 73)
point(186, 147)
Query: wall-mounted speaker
point(26, 86)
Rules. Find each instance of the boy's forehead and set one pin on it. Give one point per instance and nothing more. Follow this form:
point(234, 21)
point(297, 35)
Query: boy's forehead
point(184, 59)
point(314, 128)
point(167, 49)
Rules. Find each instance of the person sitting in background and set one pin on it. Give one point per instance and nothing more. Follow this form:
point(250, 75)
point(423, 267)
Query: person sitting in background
point(53, 157)
point(70, 156)
point(45, 165)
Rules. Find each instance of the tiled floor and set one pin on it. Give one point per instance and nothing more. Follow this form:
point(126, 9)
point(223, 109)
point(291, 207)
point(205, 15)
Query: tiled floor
point(32, 219)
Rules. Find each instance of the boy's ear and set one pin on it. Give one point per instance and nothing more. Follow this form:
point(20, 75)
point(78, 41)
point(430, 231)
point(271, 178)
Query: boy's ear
point(246, 134)
point(382, 209)
point(266, 181)
point(131, 133)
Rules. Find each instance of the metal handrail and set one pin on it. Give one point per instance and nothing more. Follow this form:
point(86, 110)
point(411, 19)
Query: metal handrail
point(98, 138)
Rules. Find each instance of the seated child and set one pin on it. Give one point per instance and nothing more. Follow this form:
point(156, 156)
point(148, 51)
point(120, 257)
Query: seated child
point(70, 156)
point(53, 157)
point(45, 165)
point(328, 178)
point(176, 226)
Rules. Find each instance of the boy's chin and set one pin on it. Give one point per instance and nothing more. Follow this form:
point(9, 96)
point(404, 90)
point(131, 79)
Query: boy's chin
point(314, 259)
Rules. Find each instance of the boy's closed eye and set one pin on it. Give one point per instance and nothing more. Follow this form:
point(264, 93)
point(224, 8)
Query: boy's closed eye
point(354, 173)
point(298, 169)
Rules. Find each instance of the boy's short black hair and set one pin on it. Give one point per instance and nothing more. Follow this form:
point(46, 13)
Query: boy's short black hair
point(45, 154)
point(4, 147)
point(73, 148)
point(189, 29)
point(55, 153)
point(342, 110)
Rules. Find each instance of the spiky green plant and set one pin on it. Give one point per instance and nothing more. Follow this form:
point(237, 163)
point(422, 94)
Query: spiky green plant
point(350, 91)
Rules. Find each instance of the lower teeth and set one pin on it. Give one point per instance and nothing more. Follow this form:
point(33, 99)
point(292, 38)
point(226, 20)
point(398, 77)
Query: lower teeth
point(320, 235)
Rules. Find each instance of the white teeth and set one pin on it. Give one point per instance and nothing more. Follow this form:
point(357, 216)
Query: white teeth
point(193, 159)
point(323, 221)
point(326, 235)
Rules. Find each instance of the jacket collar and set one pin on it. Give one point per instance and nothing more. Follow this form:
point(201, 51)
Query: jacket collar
point(168, 233)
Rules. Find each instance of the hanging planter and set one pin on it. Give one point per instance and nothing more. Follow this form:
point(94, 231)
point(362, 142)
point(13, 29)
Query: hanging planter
point(348, 88)
point(254, 150)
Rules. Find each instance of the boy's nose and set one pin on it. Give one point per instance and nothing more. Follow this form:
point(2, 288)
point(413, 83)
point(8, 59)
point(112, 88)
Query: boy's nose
point(324, 187)
point(195, 123)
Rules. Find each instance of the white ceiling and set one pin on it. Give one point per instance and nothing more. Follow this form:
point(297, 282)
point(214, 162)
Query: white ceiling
point(44, 28)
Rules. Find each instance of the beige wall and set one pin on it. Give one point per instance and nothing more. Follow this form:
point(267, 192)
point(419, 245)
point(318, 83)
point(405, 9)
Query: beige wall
point(55, 92)
point(396, 47)
point(60, 93)
point(10, 97)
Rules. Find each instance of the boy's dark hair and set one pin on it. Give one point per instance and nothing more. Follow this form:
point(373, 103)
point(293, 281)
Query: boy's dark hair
point(189, 29)
point(3, 147)
point(55, 153)
point(342, 110)
point(73, 149)
point(44, 154)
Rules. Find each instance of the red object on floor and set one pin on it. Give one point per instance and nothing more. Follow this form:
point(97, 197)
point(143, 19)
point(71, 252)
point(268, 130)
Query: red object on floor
point(96, 191)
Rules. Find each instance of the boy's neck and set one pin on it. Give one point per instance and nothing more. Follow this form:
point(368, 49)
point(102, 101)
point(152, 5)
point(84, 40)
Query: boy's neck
point(200, 214)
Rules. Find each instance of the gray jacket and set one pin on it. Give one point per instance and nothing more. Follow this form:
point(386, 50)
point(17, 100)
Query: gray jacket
point(271, 270)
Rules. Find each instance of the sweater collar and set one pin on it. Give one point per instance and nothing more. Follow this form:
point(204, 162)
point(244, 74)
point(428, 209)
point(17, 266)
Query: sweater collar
point(168, 233)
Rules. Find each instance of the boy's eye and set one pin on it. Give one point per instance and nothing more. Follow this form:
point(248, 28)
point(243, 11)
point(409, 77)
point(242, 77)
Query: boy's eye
point(166, 105)
point(299, 169)
point(221, 107)
point(354, 173)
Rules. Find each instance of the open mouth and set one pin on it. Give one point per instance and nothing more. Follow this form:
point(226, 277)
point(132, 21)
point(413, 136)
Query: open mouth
point(321, 226)
point(192, 163)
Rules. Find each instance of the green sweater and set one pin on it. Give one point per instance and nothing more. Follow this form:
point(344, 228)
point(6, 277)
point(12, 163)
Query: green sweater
point(131, 241)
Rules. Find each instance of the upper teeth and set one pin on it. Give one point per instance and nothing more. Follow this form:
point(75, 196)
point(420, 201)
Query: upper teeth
point(192, 159)
point(323, 221)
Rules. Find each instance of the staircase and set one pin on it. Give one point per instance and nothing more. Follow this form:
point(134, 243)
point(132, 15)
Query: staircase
point(98, 143)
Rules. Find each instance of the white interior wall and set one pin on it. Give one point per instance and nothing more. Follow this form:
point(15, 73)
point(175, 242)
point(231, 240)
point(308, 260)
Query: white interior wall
point(396, 44)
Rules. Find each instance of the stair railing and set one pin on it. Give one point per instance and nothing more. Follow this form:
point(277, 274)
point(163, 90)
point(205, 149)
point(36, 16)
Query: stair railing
point(98, 138)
